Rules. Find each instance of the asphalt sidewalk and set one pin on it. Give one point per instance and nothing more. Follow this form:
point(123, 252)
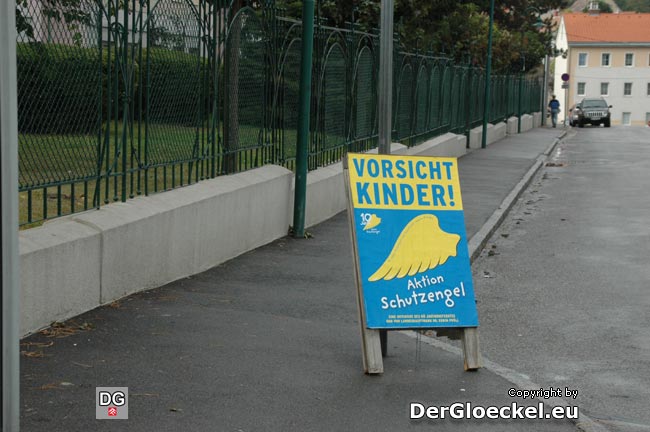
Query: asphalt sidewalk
point(269, 342)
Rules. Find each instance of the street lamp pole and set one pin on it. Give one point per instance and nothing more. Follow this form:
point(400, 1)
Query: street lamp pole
point(385, 103)
point(488, 73)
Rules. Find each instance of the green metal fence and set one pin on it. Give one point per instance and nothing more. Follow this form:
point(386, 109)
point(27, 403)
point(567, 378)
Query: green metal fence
point(123, 98)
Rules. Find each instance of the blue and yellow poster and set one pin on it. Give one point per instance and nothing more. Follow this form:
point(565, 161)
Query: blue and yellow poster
point(412, 250)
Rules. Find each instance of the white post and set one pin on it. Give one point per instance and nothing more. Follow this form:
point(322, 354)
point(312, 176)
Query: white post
point(9, 210)
point(565, 108)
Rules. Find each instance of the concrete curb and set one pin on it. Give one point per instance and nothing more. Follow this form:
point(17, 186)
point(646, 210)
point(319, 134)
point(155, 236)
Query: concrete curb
point(476, 244)
point(478, 241)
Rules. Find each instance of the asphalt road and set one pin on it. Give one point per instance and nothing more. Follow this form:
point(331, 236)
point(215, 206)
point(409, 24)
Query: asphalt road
point(563, 286)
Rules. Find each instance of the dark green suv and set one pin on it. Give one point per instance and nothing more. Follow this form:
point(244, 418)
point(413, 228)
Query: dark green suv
point(593, 111)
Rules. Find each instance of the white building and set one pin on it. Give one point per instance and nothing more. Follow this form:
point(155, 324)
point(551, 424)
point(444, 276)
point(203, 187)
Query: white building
point(606, 55)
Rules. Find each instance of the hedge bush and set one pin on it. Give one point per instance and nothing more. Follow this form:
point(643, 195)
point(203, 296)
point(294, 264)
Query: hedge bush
point(59, 88)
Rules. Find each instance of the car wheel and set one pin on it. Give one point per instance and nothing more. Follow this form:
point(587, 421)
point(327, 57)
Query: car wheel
point(607, 123)
point(580, 124)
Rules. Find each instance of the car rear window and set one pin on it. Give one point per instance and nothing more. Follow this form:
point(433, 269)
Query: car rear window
point(594, 104)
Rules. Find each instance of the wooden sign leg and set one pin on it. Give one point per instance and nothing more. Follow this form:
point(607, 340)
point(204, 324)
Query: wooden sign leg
point(471, 352)
point(372, 361)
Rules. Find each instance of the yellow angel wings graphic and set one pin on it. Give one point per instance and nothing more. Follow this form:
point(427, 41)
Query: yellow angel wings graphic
point(421, 246)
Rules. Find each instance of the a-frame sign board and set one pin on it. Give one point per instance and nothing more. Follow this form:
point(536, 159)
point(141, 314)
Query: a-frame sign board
point(410, 251)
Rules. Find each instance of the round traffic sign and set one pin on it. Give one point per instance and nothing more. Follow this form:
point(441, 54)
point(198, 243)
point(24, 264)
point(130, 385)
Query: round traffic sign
point(565, 77)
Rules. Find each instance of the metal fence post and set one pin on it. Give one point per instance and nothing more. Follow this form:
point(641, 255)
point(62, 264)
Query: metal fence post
point(519, 113)
point(544, 90)
point(488, 72)
point(302, 152)
point(10, 398)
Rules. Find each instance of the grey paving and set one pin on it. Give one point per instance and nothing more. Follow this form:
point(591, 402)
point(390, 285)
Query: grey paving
point(269, 342)
point(488, 175)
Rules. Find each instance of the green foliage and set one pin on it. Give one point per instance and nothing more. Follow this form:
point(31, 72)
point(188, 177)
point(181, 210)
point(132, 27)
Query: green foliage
point(59, 87)
point(365, 13)
point(75, 13)
point(634, 5)
point(457, 28)
point(173, 78)
point(51, 97)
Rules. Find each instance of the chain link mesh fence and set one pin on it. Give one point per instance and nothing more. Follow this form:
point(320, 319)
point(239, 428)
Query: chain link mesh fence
point(120, 98)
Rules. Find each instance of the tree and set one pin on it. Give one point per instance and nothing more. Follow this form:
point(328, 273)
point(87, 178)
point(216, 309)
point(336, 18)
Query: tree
point(523, 28)
point(634, 5)
point(73, 12)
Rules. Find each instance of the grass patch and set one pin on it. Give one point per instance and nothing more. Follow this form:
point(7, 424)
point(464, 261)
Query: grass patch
point(58, 173)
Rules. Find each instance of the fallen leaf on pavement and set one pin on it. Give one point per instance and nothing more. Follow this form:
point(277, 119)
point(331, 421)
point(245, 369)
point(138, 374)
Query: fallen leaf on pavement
point(61, 330)
point(32, 354)
point(37, 344)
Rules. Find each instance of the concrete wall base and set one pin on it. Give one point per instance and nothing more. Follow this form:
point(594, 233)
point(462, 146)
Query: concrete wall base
point(60, 268)
point(495, 132)
point(476, 137)
point(512, 125)
point(526, 123)
point(449, 145)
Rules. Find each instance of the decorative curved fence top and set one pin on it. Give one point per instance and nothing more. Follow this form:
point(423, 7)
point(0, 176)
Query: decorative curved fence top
point(119, 98)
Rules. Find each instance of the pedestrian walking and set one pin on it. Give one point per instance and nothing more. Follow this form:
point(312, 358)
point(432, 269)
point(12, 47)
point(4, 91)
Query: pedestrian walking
point(554, 106)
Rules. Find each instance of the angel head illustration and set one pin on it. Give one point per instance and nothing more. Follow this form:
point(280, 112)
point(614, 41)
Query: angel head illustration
point(422, 245)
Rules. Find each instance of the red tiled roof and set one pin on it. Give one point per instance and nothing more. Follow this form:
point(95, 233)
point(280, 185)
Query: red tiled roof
point(607, 27)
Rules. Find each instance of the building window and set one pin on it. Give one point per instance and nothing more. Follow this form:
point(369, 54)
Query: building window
point(605, 60)
point(626, 118)
point(627, 89)
point(649, 89)
point(629, 59)
point(582, 59)
point(604, 89)
point(581, 88)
